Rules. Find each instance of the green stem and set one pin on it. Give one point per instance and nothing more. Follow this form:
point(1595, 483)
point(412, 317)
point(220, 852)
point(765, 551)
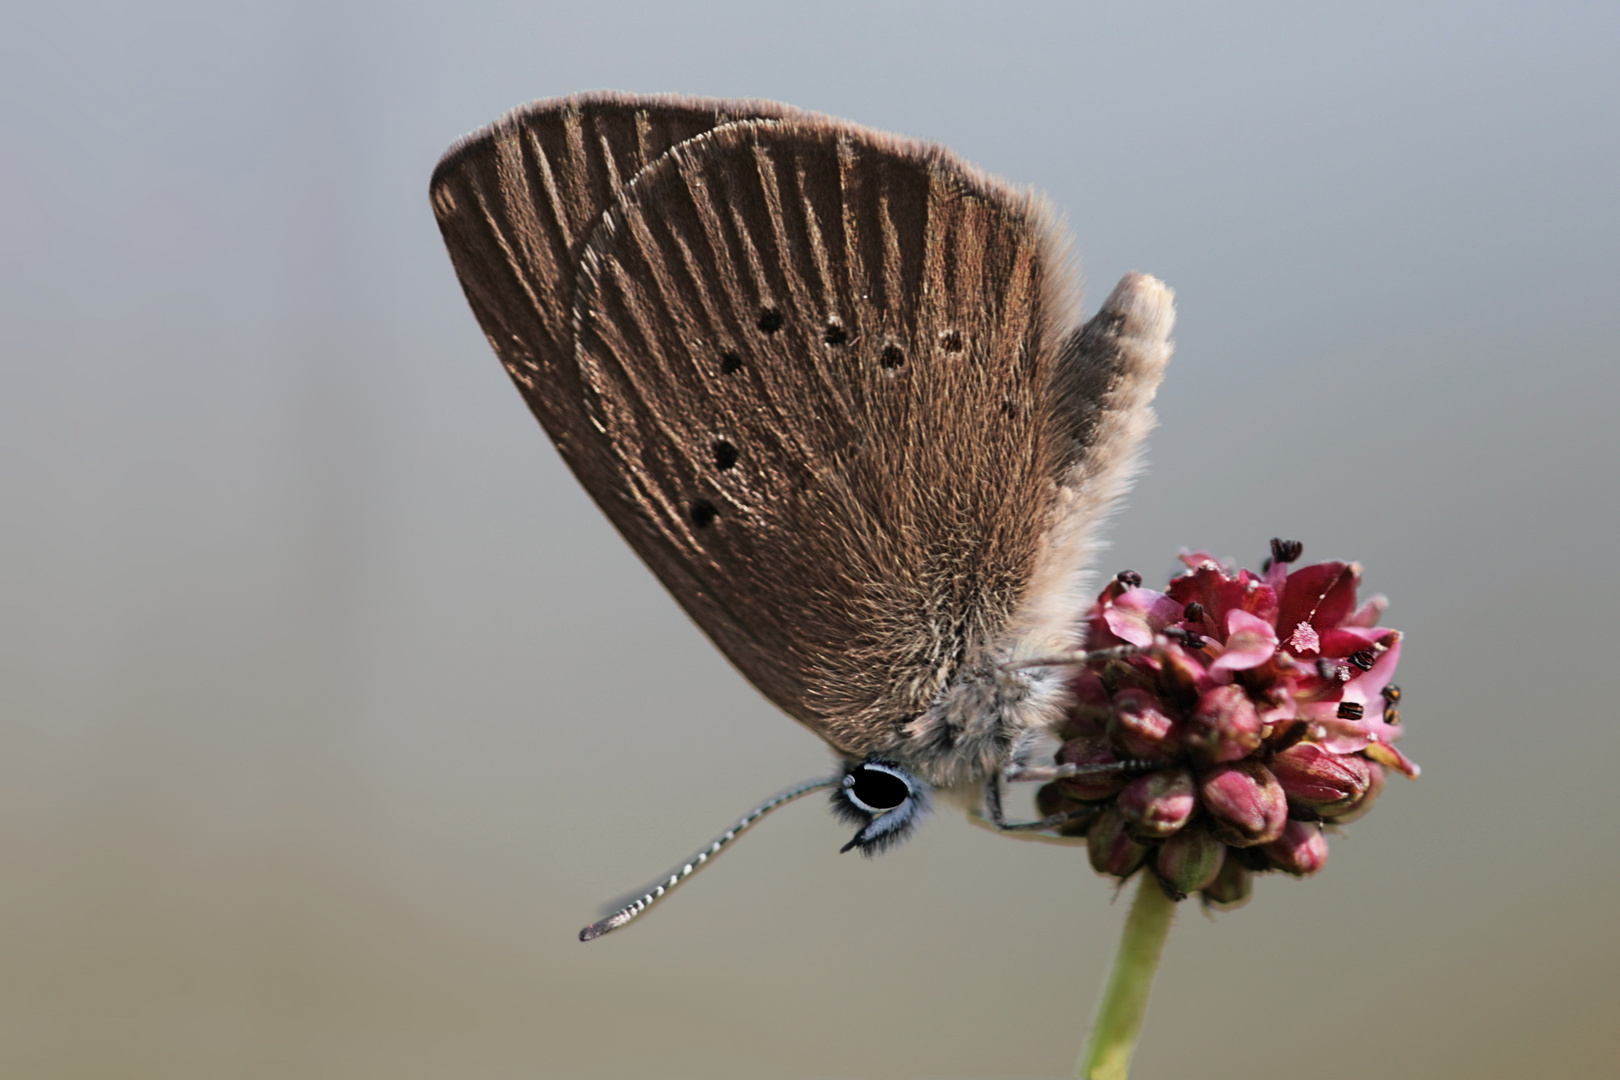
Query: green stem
point(1124, 999)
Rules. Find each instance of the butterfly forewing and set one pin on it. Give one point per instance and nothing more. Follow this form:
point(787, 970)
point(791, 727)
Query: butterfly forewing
point(817, 364)
point(516, 202)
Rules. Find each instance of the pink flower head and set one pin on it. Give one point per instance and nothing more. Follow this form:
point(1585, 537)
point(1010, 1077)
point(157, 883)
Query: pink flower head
point(1242, 711)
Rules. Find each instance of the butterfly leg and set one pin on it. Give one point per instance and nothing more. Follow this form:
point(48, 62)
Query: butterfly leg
point(1045, 774)
point(998, 817)
point(1040, 774)
point(1079, 658)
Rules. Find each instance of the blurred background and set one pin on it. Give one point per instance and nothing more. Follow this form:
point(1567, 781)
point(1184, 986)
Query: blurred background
point(332, 708)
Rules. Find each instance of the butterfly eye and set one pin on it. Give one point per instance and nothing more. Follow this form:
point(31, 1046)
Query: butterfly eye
point(884, 800)
point(878, 790)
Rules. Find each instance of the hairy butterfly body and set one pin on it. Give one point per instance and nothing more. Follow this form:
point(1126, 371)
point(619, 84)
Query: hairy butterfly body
point(831, 385)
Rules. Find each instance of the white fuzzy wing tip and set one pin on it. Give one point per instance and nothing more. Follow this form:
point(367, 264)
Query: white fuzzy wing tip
point(1148, 304)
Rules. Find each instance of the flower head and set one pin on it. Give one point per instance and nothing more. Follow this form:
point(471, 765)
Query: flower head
point(1243, 712)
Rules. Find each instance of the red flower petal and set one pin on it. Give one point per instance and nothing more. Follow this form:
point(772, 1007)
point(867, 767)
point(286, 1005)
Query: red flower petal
point(1138, 614)
point(1321, 594)
point(1195, 559)
point(1385, 754)
point(1344, 640)
point(1369, 613)
point(1219, 594)
point(1346, 736)
point(1250, 642)
point(1368, 686)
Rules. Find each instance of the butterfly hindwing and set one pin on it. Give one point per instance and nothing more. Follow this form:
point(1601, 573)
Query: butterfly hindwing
point(822, 359)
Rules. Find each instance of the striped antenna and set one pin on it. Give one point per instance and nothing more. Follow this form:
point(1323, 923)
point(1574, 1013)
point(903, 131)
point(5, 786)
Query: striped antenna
point(657, 893)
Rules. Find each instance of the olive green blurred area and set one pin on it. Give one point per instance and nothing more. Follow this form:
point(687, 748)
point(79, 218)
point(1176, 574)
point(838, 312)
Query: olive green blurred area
point(330, 707)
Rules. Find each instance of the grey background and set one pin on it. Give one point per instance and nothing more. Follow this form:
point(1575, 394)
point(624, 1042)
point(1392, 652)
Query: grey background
point(332, 708)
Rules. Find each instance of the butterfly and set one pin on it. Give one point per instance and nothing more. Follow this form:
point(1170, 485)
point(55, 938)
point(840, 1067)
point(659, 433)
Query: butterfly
point(832, 386)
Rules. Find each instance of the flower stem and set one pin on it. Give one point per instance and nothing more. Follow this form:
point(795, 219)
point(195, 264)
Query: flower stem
point(1124, 1000)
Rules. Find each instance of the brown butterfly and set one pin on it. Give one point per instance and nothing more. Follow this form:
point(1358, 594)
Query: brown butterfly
point(831, 385)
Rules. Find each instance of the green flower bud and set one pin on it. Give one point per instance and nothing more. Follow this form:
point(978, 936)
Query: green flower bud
point(1111, 847)
point(1231, 888)
point(1189, 860)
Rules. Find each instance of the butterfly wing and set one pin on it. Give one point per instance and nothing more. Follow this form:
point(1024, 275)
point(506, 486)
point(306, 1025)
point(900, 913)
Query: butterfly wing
point(824, 381)
point(822, 357)
point(516, 202)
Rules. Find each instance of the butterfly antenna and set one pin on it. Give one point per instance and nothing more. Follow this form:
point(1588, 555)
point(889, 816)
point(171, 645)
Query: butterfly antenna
point(696, 862)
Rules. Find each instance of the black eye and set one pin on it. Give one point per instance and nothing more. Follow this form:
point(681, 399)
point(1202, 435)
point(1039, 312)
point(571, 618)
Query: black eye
point(879, 790)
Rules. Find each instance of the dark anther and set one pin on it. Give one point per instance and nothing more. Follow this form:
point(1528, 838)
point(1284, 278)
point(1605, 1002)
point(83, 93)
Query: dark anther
point(1286, 551)
point(1186, 637)
point(893, 356)
point(1363, 659)
point(950, 340)
point(1193, 612)
point(1392, 715)
point(703, 513)
point(730, 363)
point(834, 334)
point(1349, 710)
point(1392, 694)
point(770, 320)
point(725, 455)
point(1128, 578)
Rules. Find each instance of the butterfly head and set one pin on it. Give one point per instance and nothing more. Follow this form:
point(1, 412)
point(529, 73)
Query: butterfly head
point(884, 799)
